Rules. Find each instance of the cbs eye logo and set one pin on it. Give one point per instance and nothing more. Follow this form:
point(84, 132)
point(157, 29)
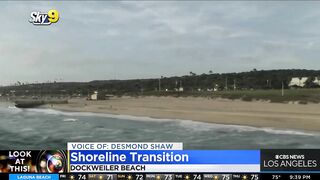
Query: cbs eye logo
point(39, 18)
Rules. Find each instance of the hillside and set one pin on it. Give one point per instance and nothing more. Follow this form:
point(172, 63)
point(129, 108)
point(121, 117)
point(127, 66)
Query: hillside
point(252, 80)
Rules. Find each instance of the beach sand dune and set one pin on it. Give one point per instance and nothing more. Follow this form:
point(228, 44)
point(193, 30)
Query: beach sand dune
point(223, 111)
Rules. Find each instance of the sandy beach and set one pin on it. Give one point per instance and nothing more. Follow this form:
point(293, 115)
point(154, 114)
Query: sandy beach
point(222, 111)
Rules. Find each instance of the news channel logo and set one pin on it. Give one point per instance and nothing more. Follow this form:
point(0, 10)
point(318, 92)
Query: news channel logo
point(51, 161)
point(40, 18)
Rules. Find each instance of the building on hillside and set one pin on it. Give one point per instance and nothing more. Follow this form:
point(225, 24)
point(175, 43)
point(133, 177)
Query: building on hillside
point(180, 88)
point(216, 87)
point(209, 89)
point(316, 81)
point(95, 96)
point(298, 81)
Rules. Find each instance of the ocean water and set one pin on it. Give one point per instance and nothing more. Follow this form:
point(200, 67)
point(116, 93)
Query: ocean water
point(51, 129)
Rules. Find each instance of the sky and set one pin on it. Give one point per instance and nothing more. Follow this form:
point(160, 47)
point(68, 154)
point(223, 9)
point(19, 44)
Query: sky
point(149, 39)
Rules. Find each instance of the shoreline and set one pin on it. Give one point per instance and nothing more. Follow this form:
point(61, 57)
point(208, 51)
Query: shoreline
point(272, 130)
point(219, 111)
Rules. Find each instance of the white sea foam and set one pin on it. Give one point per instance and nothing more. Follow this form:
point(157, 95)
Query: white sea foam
point(188, 124)
point(27, 129)
point(70, 120)
point(288, 131)
point(201, 126)
point(89, 114)
point(12, 107)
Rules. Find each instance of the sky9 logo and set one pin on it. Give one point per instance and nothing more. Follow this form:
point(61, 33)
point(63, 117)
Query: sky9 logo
point(39, 18)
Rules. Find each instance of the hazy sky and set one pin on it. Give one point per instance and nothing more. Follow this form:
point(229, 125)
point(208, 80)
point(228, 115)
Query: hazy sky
point(120, 40)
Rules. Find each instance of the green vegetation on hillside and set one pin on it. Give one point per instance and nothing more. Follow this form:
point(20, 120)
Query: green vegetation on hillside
point(259, 85)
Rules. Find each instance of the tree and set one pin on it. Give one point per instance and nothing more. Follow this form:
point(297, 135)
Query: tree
point(310, 83)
